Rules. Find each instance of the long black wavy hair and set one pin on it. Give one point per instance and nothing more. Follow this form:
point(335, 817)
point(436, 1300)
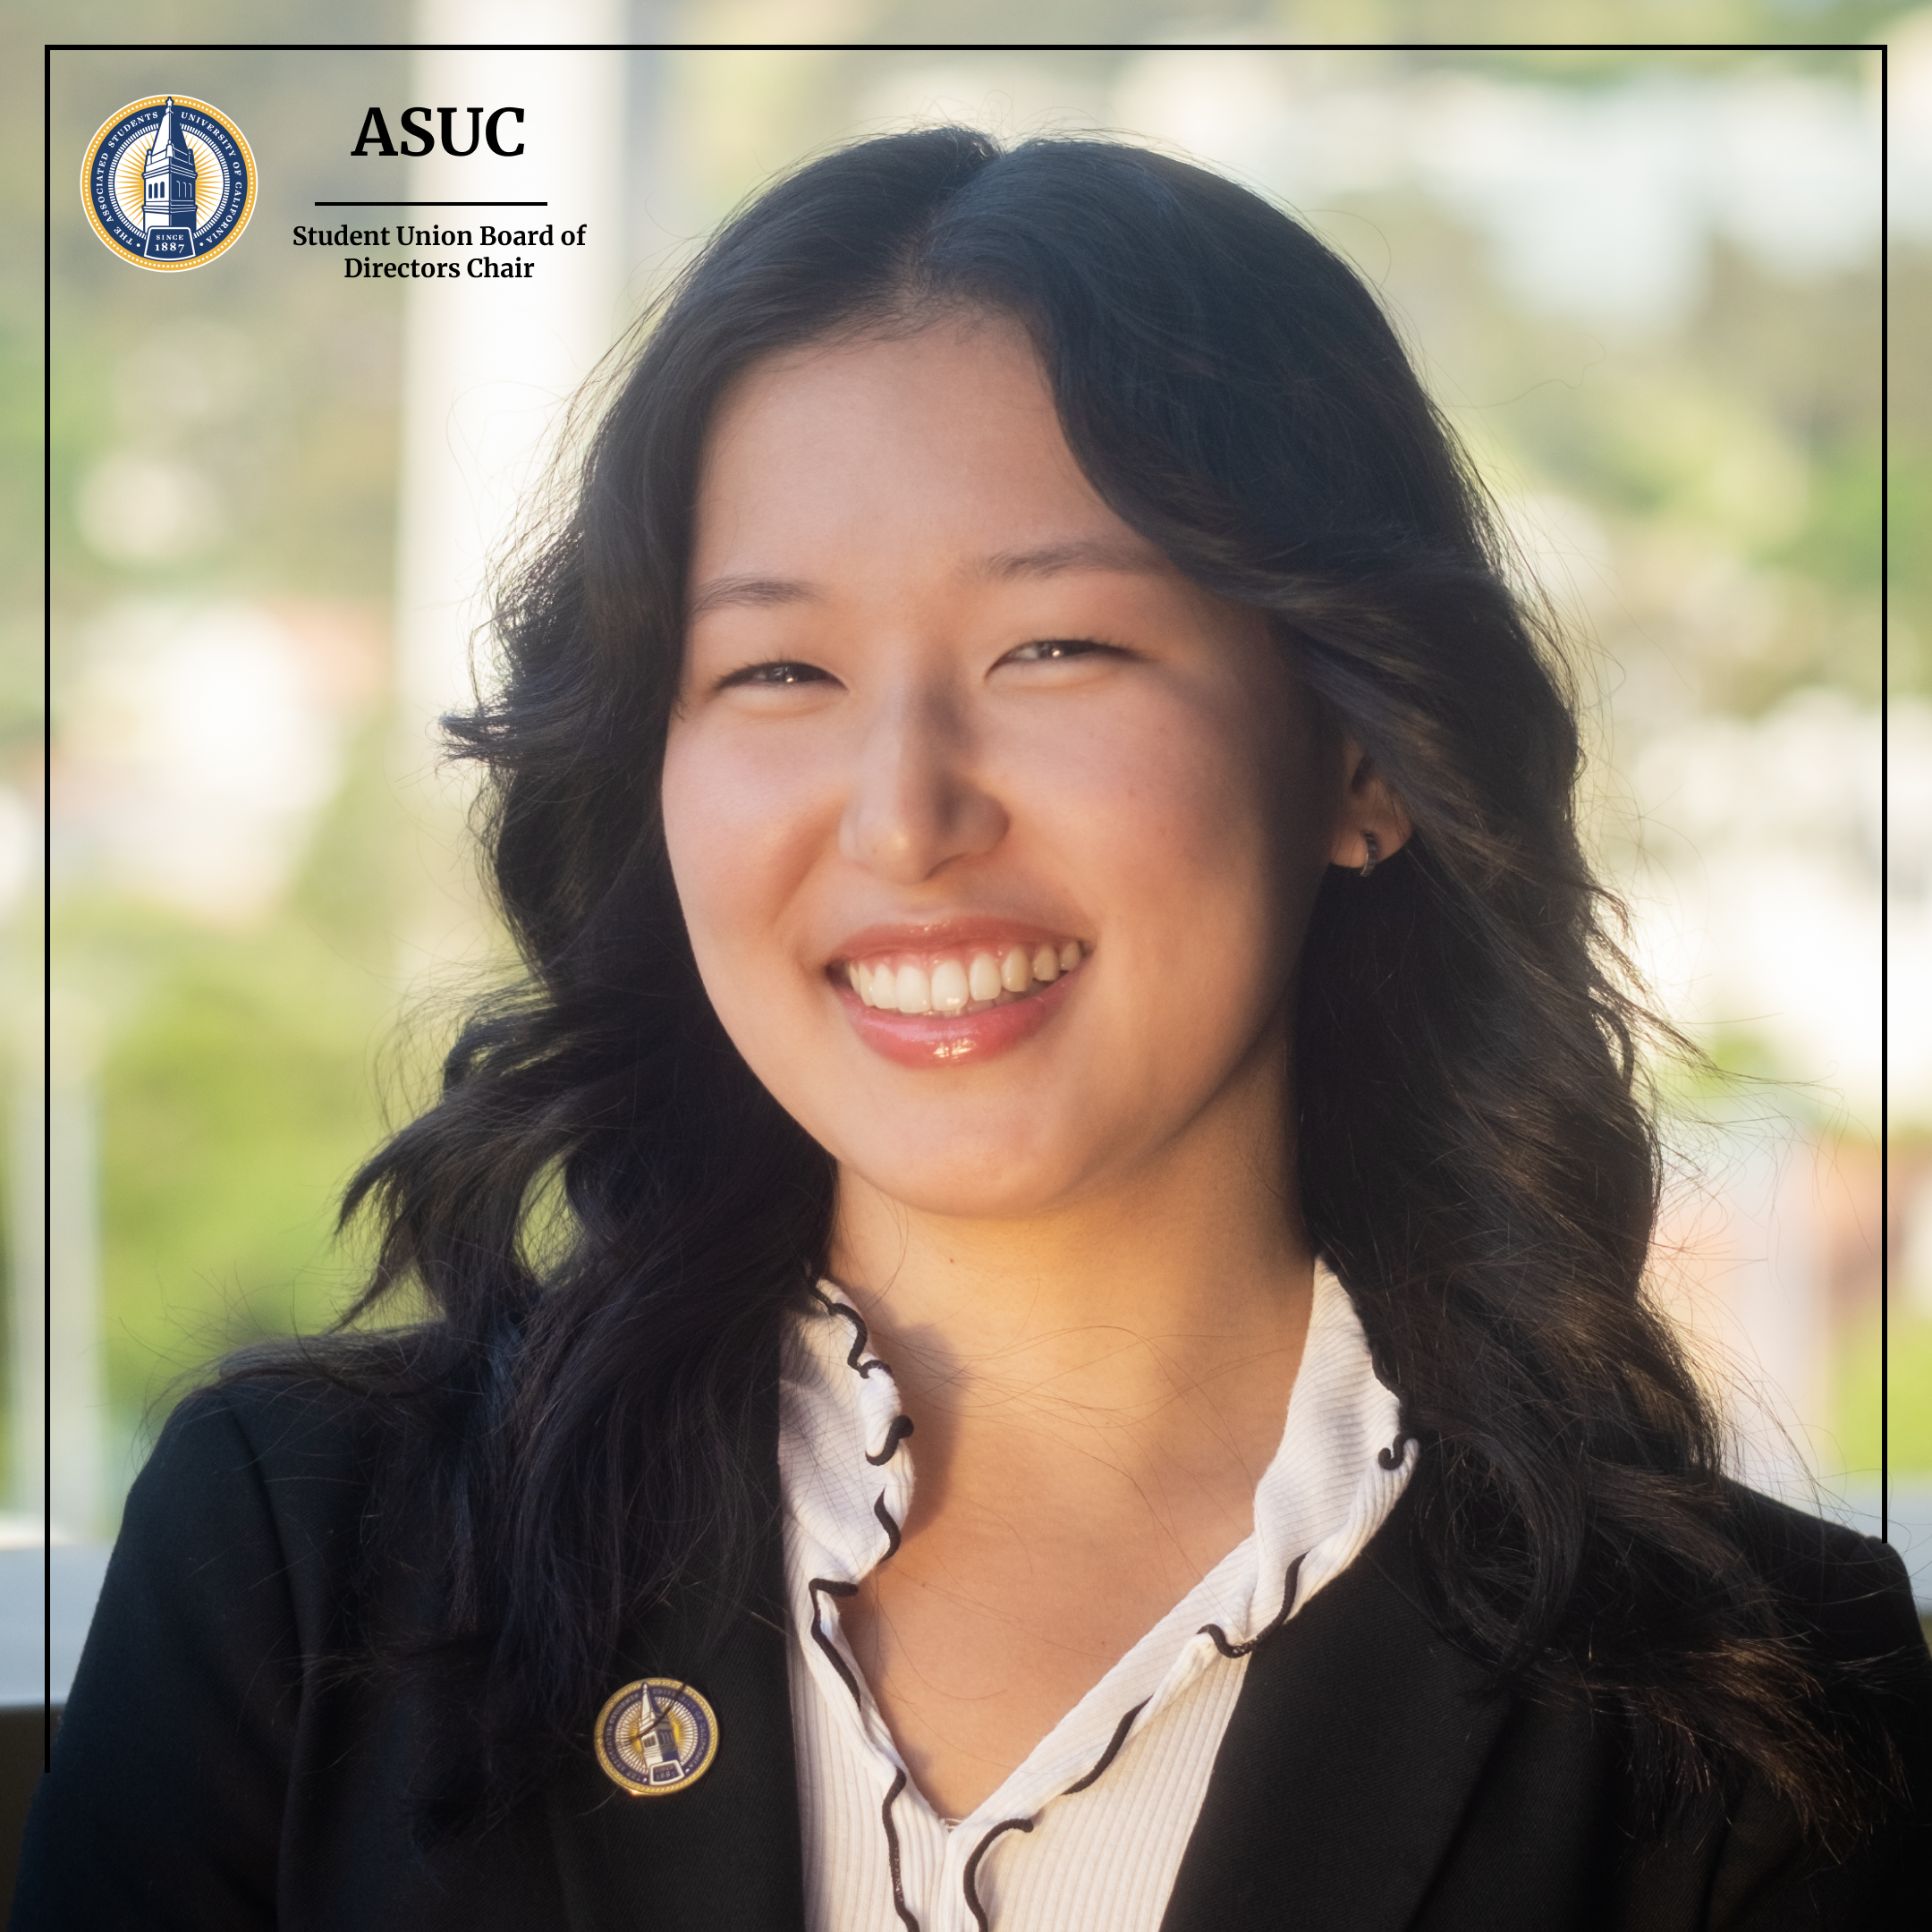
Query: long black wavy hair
point(609, 1216)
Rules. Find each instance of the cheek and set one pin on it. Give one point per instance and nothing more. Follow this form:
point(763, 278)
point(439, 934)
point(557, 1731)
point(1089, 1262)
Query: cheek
point(731, 827)
point(1207, 826)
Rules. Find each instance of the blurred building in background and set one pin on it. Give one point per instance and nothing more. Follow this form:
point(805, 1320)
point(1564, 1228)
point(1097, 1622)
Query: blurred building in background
point(1644, 287)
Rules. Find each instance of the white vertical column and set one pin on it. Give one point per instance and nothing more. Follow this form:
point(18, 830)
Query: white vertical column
point(1742, 1271)
point(1775, 1293)
point(490, 367)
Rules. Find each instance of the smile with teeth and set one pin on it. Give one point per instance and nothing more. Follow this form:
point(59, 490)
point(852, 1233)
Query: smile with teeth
point(966, 982)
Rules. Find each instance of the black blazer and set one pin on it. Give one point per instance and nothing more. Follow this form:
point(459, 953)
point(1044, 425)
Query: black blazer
point(212, 1774)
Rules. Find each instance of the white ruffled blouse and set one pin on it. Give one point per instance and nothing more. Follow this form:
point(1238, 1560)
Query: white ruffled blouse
point(1088, 1832)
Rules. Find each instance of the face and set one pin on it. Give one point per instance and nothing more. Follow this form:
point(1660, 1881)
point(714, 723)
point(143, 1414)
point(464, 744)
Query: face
point(994, 834)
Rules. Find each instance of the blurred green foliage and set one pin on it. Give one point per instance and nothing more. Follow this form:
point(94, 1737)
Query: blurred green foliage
point(1858, 1393)
point(239, 1078)
point(247, 1075)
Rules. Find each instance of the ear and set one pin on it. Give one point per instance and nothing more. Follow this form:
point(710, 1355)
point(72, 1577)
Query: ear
point(1369, 810)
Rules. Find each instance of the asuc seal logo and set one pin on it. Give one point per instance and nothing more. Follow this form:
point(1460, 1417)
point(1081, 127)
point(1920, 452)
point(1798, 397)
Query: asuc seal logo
point(656, 1735)
point(168, 183)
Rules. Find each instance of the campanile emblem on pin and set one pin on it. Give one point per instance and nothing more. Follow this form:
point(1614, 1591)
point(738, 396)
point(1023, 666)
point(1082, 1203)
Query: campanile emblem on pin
point(655, 1736)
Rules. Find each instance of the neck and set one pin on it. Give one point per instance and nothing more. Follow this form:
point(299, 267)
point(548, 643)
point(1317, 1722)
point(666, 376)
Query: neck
point(1154, 1323)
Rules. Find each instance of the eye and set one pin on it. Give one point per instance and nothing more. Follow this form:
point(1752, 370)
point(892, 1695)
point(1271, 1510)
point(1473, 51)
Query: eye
point(774, 676)
point(1058, 650)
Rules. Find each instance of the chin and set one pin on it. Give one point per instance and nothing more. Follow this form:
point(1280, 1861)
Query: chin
point(965, 1177)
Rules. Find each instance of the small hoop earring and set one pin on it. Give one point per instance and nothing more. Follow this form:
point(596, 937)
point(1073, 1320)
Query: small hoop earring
point(1374, 852)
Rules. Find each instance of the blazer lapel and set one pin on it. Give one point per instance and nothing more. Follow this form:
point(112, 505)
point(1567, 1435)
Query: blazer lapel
point(725, 1851)
point(1357, 1740)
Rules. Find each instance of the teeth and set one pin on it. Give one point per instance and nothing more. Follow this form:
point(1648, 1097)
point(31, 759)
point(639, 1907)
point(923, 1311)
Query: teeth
point(915, 991)
point(950, 989)
point(954, 986)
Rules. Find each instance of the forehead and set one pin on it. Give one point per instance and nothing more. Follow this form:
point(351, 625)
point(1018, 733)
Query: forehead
point(939, 442)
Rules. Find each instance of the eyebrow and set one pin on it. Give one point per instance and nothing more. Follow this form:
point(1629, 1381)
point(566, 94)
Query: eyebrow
point(1002, 566)
point(725, 593)
point(1087, 552)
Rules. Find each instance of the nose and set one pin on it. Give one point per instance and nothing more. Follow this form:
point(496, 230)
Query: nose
point(916, 803)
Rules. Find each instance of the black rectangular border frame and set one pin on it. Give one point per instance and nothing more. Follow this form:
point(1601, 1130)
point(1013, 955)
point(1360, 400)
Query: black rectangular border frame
point(947, 47)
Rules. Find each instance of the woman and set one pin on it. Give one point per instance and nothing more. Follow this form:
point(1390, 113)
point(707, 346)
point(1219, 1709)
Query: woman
point(1043, 847)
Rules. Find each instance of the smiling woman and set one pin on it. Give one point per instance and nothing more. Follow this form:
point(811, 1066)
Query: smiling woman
point(1058, 960)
